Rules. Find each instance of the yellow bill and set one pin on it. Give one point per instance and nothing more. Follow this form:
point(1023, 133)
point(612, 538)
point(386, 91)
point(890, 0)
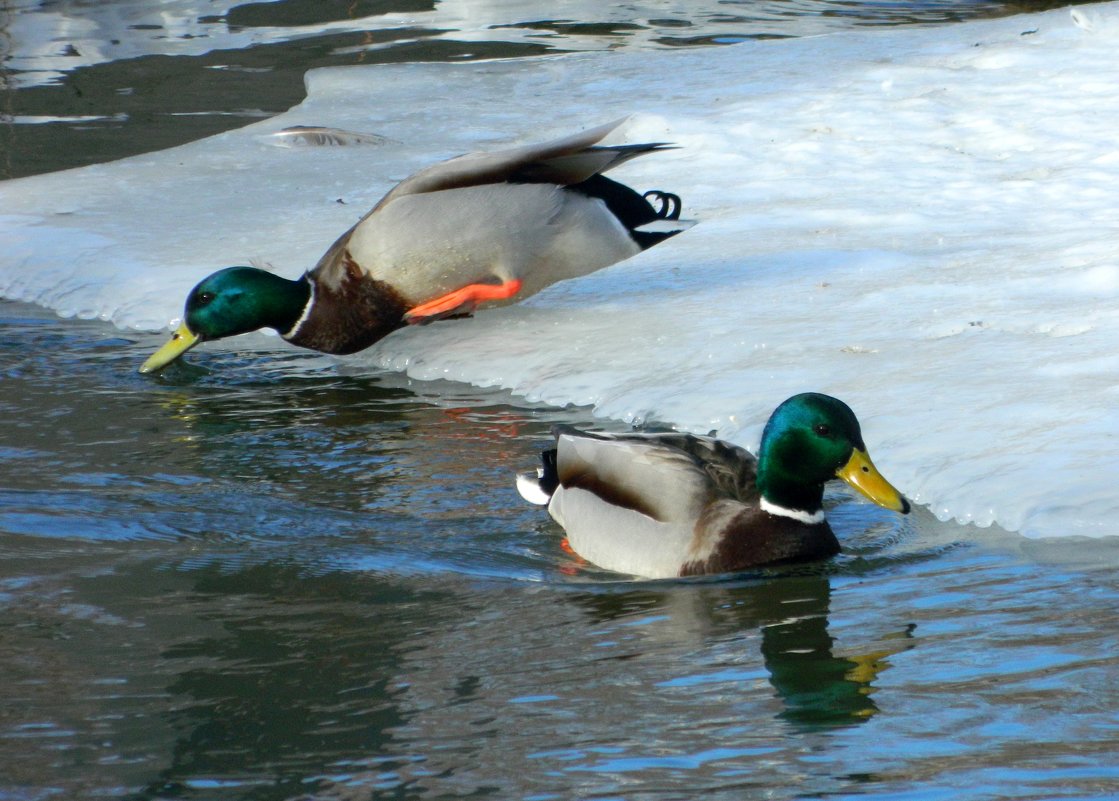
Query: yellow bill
point(861, 474)
point(181, 341)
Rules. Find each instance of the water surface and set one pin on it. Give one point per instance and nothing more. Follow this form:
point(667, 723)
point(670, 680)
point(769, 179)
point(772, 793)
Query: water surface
point(258, 578)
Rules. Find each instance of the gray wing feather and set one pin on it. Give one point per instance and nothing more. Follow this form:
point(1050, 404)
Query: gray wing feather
point(564, 161)
point(669, 477)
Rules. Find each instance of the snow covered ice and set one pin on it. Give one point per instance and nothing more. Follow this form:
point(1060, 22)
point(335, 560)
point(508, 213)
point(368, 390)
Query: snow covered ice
point(921, 221)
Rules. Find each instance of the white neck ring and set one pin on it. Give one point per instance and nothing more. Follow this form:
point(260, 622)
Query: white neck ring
point(795, 514)
point(303, 317)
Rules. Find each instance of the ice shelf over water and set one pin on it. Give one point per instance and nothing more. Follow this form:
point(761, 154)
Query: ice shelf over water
point(924, 222)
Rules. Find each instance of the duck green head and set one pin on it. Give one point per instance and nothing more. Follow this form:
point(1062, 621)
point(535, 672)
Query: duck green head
point(810, 439)
point(233, 301)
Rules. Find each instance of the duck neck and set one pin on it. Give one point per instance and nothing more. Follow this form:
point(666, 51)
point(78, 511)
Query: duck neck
point(291, 303)
point(789, 495)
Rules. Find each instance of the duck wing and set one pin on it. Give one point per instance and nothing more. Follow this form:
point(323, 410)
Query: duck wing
point(647, 504)
point(565, 161)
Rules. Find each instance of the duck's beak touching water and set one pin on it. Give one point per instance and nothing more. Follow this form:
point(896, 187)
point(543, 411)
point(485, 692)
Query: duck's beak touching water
point(181, 341)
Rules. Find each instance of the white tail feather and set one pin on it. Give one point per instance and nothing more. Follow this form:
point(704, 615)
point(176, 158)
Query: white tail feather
point(528, 485)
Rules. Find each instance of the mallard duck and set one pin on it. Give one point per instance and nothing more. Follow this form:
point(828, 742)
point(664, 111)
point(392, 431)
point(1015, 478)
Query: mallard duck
point(661, 505)
point(480, 228)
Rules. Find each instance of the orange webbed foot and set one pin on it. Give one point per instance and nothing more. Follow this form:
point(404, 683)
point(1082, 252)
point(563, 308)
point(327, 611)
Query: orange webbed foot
point(577, 562)
point(461, 301)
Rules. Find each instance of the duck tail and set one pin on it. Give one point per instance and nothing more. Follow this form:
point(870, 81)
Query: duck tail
point(665, 205)
point(537, 486)
point(650, 218)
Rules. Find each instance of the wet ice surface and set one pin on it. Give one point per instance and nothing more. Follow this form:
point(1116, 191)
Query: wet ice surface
point(918, 221)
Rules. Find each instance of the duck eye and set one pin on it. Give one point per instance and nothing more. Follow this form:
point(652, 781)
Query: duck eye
point(822, 429)
point(204, 298)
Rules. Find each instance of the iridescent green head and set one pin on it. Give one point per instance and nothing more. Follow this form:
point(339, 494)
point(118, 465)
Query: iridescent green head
point(810, 439)
point(234, 301)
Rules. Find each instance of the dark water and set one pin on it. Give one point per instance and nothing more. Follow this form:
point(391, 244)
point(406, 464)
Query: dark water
point(256, 577)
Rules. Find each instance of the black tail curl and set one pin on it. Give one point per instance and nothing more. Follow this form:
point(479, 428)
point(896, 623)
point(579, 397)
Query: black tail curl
point(665, 204)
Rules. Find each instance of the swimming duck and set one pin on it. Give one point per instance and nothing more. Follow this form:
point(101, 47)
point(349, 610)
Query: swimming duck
point(661, 505)
point(479, 228)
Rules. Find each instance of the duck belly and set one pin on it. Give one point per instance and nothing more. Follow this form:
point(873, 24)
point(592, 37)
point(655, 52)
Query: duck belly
point(427, 245)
